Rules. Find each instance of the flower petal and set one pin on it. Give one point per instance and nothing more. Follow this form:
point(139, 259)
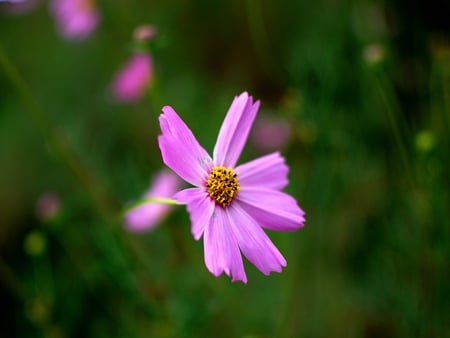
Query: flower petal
point(269, 171)
point(200, 208)
point(148, 215)
point(270, 133)
point(221, 248)
point(132, 80)
point(253, 241)
point(75, 19)
point(180, 149)
point(272, 209)
point(234, 131)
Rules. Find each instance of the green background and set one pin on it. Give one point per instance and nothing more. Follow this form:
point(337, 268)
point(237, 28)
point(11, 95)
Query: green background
point(368, 157)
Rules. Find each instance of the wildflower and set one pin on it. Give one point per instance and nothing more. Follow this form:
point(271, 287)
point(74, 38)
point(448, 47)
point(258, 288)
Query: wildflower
point(147, 215)
point(270, 133)
point(76, 19)
point(48, 206)
point(18, 7)
point(425, 140)
point(133, 78)
point(144, 33)
point(374, 54)
point(35, 243)
point(230, 204)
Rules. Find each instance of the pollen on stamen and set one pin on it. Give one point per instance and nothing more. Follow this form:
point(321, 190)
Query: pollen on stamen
point(222, 185)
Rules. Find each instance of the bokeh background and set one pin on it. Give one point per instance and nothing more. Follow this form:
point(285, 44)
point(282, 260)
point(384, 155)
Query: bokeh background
point(364, 87)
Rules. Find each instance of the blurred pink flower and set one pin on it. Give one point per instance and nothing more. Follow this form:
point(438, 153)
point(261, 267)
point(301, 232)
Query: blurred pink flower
point(17, 7)
point(144, 33)
point(147, 215)
point(270, 133)
point(48, 206)
point(373, 53)
point(133, 78)
point(75, 19)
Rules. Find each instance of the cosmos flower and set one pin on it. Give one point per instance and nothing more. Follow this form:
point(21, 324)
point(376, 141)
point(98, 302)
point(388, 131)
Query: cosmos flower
point(18, 7)
point(133, 78)
point(373, 53)
point(230, 205)
point(270, 133)
point(75, 19)
point(144, 32)
point(48, 206)
point(146, 216)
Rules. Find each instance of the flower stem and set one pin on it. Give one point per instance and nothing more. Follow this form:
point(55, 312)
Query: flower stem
point(259, 38)
point(57, 140)
point(158, 200)
point(394, 113)
point(445, 77)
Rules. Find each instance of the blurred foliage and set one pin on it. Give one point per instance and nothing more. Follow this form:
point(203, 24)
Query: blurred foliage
point(365, 86)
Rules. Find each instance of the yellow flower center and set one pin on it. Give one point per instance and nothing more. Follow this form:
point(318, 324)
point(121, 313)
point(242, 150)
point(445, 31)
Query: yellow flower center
point(222, 185)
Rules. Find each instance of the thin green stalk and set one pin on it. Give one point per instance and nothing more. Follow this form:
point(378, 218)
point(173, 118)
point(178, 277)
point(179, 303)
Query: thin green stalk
point(63, 149)
point(393, 112)
point(446, 98)
point(158, 200)
point(258, 36)
point(43, 277)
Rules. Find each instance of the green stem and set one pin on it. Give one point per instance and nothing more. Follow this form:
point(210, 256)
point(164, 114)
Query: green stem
point(260, 41)
point(445, 77)
point(158, 200)
point(63, 149)
point(393, 112)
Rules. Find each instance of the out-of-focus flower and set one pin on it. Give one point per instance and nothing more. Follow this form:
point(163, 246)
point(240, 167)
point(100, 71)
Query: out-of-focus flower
point(146, 216)
point(144, 33)
point(230, 205)
point(373, 53)
point(48, 206)
point(270, 134)
point(425, 141)
point(132, 80)
point(75, 19)
point(35, 243)
point(17, 7)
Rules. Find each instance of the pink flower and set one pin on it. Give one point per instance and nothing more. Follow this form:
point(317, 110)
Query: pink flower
point(48, 206)
point(17, 7)
point(133, 78)
point(270, 133)
point(144, 33)
point(229, 205)
point(75, 19)
point(147, 215)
